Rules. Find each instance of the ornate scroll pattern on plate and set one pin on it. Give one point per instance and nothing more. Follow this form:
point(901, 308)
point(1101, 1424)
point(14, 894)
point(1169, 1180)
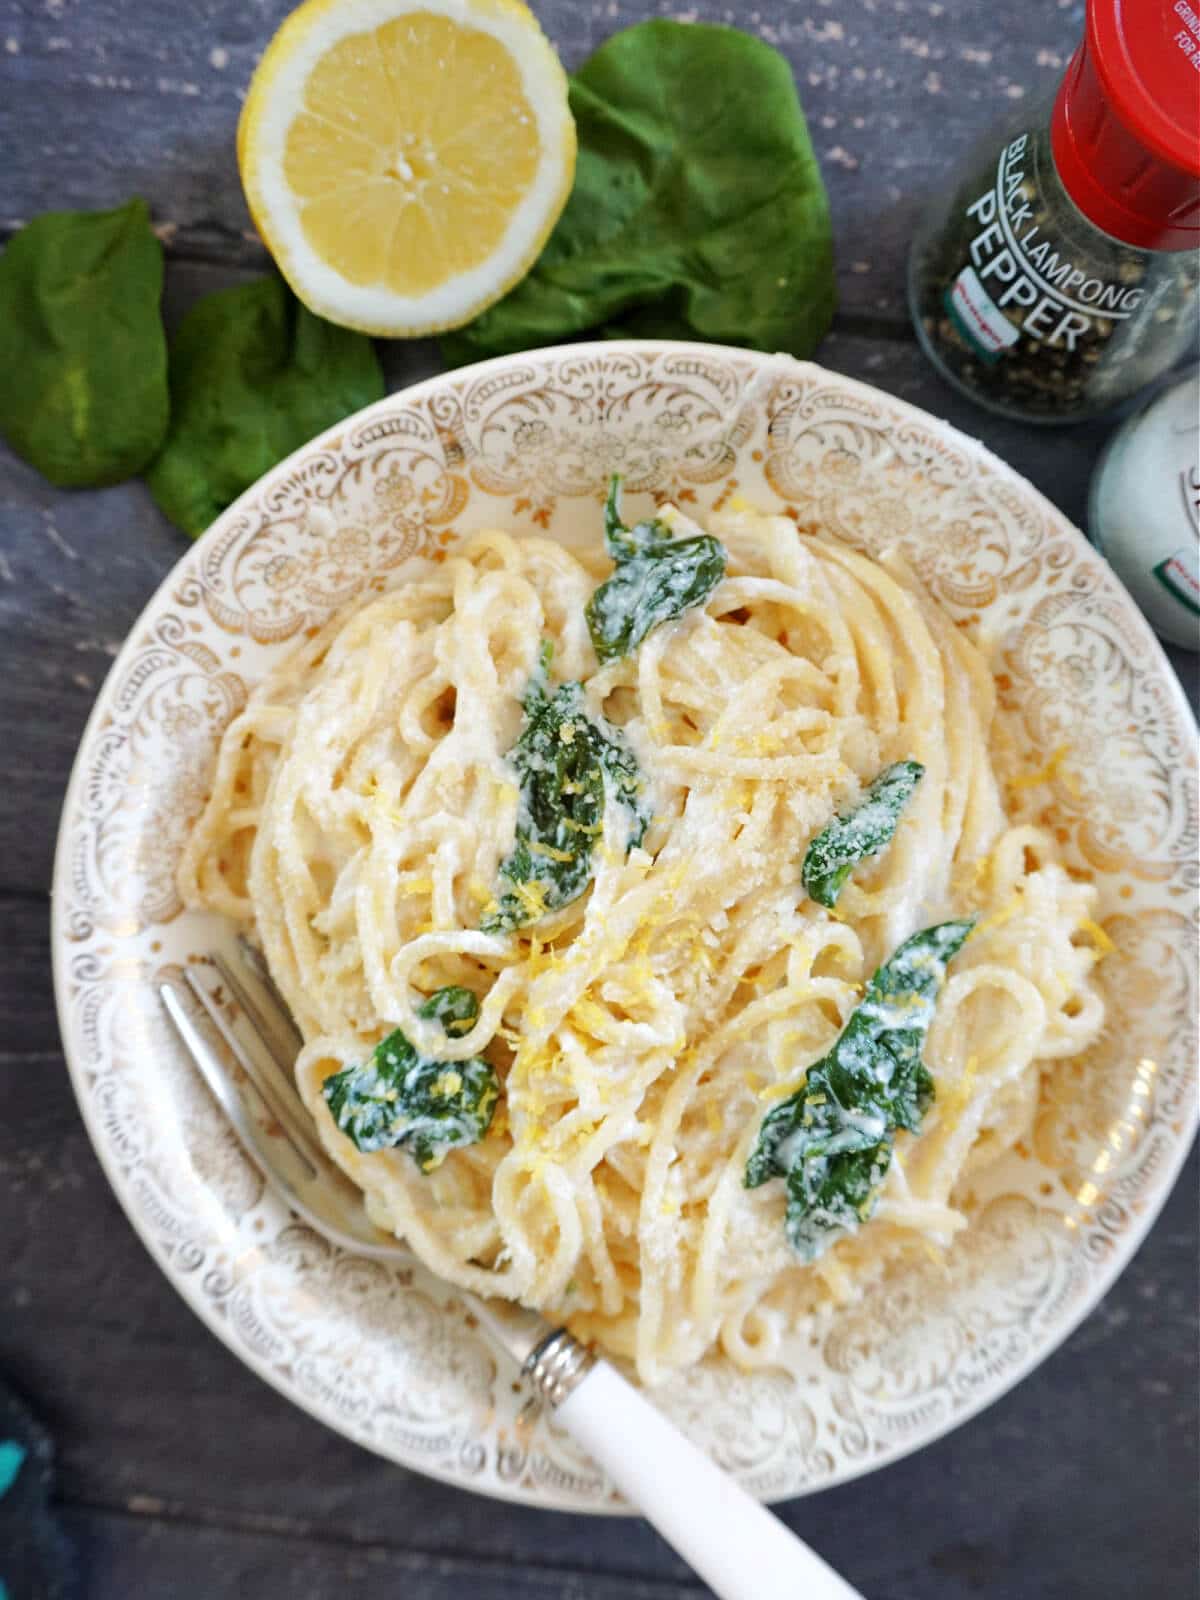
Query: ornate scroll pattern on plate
point(143, 777)
point(1083, 682)
point(668, 424)
point(1095, 1110)
point(927, 1342)
point(385, 1353)
point(312, 543)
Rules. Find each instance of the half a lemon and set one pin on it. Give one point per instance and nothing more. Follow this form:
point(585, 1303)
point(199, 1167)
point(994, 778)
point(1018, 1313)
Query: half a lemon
point(405, 163)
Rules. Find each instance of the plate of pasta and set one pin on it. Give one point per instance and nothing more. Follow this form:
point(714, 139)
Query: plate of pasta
point(728, 845)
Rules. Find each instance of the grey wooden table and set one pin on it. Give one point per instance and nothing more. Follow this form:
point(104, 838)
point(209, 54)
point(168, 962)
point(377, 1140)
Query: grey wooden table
point(181, 1474)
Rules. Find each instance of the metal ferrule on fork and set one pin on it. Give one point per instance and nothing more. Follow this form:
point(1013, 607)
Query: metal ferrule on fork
point(558, 1365)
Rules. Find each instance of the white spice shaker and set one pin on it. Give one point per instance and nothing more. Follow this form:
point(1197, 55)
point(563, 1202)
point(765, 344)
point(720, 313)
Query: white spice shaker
point(1144, 510)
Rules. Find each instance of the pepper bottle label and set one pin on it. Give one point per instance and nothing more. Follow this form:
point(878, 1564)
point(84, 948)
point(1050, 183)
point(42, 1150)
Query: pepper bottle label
point(1022, 281)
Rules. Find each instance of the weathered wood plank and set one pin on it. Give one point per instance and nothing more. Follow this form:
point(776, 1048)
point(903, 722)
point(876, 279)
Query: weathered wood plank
point(147, 97)
point(28, 1022)
point(159, 1419)
point(160, 1558)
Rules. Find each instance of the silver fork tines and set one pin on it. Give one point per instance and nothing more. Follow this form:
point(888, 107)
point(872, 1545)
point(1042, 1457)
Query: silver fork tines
point(259, 1047)
point(237, 1029)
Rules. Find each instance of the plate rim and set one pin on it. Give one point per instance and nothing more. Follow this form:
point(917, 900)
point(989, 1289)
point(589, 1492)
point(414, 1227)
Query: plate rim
point(1133, 1237)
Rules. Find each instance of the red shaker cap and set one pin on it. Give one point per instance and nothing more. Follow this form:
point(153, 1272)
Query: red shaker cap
point(1125, 131)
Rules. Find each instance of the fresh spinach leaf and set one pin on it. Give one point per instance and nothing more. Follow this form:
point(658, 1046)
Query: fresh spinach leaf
point(832, 1140)
point(400, 1097)
point(657, 578)
point(622, 542)
point(454, 1007)
point(838, 848)
point(568, 765)
point(254, 375)
point(83, 356)
point(698, 210)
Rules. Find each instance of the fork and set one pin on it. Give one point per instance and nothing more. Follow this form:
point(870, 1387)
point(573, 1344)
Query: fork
point(740, 1550)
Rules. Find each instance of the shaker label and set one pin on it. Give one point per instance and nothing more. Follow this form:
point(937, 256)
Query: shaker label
point(1018, 267)
point(1180, 575)
point(1189, 488)
point(977, 315)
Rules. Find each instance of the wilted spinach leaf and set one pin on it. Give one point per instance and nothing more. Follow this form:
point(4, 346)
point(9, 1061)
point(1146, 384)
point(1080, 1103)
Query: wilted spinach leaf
point(254, 375)
point(838, 848)
point(400, 1097)
point(83, 356)
point(657, 578)
point(568, 765)
point(454, 1007)
point(698, 210)
point(832, 1140)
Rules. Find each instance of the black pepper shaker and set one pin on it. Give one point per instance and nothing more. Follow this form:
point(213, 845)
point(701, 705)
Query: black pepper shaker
point(1061, 273)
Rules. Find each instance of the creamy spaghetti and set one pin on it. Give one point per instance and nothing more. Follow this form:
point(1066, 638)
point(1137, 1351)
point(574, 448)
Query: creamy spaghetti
point(364, 806)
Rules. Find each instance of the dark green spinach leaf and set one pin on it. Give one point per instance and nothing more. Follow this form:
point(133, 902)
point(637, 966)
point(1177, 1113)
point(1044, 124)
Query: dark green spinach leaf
point(838, 848)
point(83, 356)
point(657, 578)
point(254, 375)
point(454, 1007)
point(698, 210)
point(400, 1097)
point(832, 1140)
point(568, 764)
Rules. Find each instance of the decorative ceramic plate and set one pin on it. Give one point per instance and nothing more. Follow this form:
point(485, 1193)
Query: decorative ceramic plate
point(386, 1354)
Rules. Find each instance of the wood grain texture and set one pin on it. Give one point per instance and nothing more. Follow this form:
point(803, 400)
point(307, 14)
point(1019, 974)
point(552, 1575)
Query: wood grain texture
point(148, 92)
point(183, 1476)
point(151, 1557)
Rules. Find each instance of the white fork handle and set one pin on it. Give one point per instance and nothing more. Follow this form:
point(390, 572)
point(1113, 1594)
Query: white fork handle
point(740, 1550)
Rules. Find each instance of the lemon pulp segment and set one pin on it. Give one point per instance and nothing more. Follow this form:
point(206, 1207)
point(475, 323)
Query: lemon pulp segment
point(402, 186)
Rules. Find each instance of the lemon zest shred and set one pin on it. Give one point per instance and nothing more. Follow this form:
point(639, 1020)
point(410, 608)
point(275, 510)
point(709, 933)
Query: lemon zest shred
point(532, 896)
point(1104, 945)
point(780, 1091)
point(1043, 774)
point(957, 1097)
point(998, 918)
point(537, 848)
